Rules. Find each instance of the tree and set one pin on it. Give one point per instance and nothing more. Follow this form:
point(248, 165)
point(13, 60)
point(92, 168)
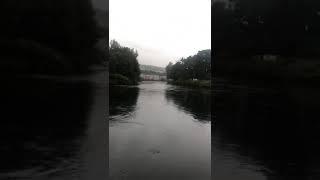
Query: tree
point(287, 28)
point(168, 70)
point(123, 61)
point(192, 67)
point(68, 27)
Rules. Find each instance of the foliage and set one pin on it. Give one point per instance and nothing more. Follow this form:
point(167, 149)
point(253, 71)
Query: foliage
point(193, 67)
point(66, 27)
point(250, 27)
point(245, 29)
point(118, 79)
point(123, 61)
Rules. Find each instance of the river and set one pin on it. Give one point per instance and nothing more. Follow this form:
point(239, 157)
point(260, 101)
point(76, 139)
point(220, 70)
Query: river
point(54, 128)
point(159, 131)
point(265, 133)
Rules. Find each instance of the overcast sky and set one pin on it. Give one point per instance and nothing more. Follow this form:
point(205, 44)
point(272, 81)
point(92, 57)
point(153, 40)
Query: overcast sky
point(161, 30)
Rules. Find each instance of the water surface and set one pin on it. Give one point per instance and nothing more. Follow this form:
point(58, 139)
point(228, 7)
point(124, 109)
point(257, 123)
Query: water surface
point(54, 128)
point(159, 131)
point(265, 133)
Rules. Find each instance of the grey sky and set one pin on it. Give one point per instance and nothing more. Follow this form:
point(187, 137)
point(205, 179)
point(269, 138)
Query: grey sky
point(161, 30)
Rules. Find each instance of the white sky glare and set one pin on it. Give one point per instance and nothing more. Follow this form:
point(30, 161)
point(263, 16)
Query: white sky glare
point(161, 30)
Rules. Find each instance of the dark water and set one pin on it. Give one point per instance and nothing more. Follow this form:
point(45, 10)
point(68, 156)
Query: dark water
point(265, 133)
point(53, 128)
point(159, 131)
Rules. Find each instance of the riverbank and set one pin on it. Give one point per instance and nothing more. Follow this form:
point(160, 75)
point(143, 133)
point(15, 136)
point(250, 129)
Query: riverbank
point(21, 56)
point(192, 83)
point(283, 71)
point(118, 79)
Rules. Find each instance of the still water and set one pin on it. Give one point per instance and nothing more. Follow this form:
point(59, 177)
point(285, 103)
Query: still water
point(264, 133)
point(54, 128)
point(159, 131)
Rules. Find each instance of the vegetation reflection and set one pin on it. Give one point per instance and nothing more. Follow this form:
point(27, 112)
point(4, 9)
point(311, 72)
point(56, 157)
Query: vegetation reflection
point(195, 102)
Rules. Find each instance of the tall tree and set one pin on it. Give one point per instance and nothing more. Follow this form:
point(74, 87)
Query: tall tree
point(192, 67)
point(123, 61)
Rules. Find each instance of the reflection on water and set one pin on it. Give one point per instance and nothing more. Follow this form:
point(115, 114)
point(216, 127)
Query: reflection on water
point(44, 127)
point(160, 136)
point(195, 102)
point(122, 102)
point(264, 133)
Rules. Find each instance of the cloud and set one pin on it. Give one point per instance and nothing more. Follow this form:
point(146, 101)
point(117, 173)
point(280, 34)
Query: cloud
point(161, 30)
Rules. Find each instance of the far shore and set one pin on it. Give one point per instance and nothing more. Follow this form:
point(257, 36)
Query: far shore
point(192, 83)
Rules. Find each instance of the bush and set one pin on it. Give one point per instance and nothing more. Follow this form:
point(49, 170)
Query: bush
point(118, 79)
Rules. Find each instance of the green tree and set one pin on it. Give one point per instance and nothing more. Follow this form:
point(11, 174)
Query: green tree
point(192, 67)
point(123, 61)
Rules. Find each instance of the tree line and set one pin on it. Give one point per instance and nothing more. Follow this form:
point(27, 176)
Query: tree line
point(123, 64)
point(49, 35)
point(193, 67)
point(249, 27)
